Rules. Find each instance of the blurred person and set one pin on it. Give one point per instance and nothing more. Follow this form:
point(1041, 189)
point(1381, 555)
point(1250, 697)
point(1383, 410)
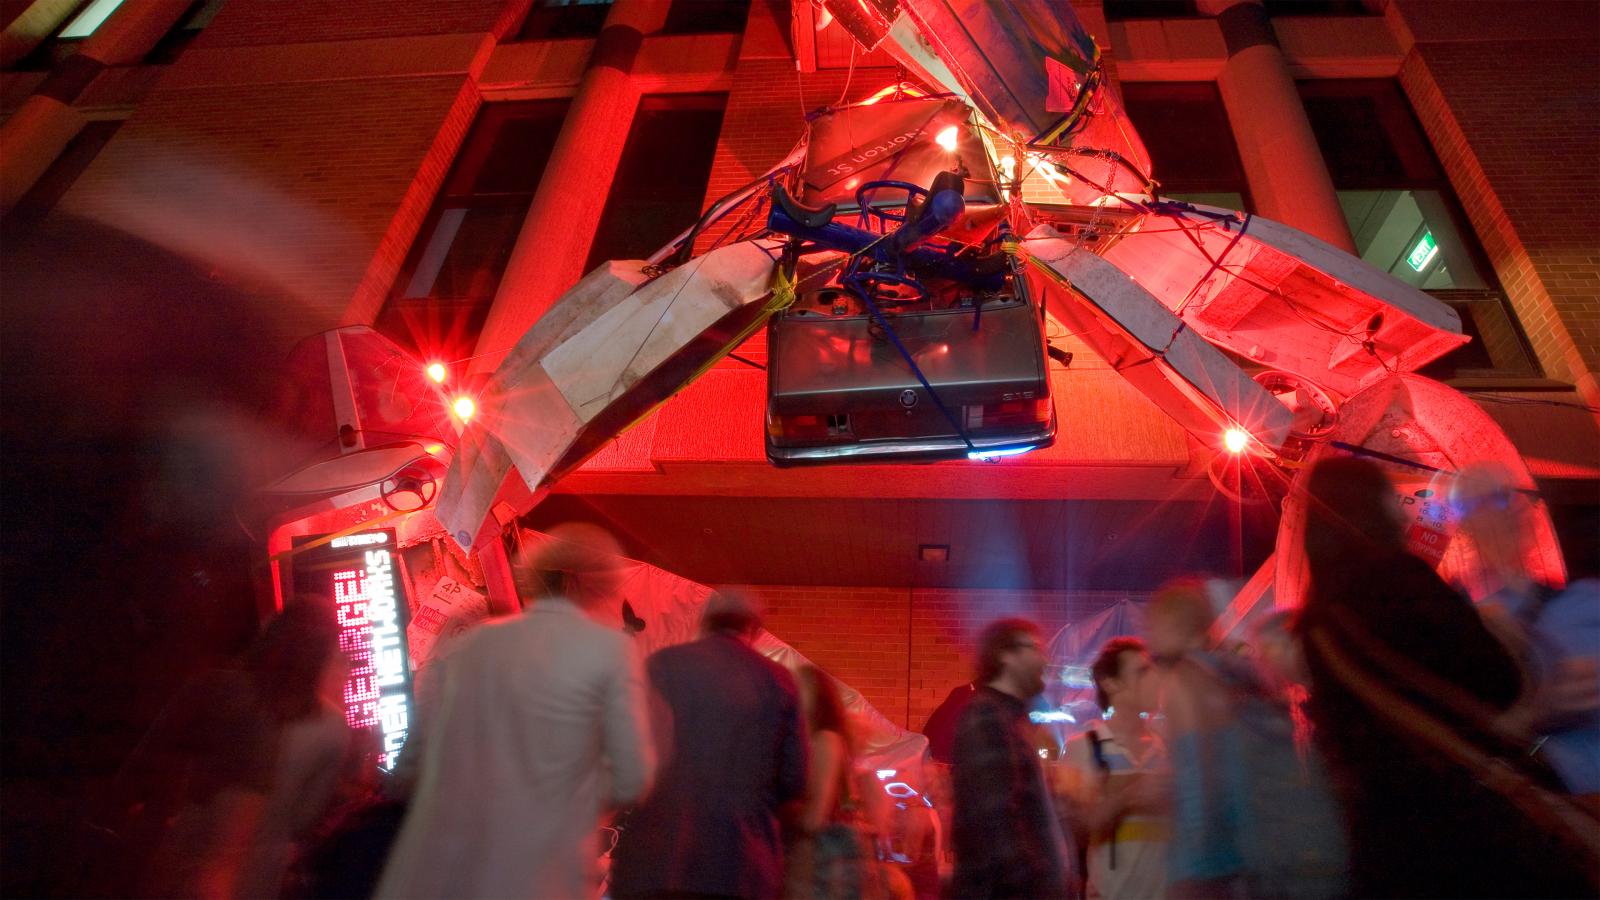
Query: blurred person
point(1118, 778)
point(1008, 839)
point(539, 727)
point(132, 387)
point(1553, 633)
point(734, 750)
point(1278, 654)
point(940, 729)
point(252, 755)
point(1281, 666)
point(1251, 816)
point(827, 857)
point(1420, 712)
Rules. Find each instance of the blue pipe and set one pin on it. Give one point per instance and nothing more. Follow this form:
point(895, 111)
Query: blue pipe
point(943, 209)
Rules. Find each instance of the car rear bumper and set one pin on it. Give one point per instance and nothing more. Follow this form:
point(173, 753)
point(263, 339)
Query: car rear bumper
point(901, 449)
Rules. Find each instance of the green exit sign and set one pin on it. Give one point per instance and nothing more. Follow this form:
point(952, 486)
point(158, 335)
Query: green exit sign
point(1423, 253)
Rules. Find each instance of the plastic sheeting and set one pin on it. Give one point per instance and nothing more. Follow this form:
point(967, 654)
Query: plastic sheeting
point(1069, 689)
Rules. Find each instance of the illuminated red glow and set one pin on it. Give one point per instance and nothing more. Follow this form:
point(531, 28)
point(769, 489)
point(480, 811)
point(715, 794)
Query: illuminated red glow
point(1235, 440)
point(904, 90)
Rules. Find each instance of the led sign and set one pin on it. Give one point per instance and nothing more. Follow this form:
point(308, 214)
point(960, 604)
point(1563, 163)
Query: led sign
point(357, 572)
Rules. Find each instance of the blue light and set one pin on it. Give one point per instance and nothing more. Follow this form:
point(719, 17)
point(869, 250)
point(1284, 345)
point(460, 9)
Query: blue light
point(1077, 677)
point(987, 455)
point(1054, 715)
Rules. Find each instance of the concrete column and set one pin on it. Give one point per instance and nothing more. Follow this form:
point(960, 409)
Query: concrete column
point(556, 237)
point(498, 580)
point(31, 26)
point(34, 136)
point(1288, 177)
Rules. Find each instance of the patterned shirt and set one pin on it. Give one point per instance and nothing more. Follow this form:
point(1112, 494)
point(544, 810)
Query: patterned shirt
point(1007, 839)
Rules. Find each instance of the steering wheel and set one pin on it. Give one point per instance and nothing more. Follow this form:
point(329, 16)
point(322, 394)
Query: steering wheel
point(884, 216)
point(885, 287)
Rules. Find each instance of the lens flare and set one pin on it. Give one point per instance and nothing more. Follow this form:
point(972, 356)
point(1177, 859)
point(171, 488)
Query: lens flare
point(947, 138)
point(437, 372)
point(464, 408)
point(1235, 440)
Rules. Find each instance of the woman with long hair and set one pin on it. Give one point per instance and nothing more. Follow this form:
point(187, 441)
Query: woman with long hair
point(1416, 706)
point(828, 856)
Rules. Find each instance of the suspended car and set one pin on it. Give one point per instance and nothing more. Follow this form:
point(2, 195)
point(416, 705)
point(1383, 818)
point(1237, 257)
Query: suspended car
point(841, 388)
point(925, 341)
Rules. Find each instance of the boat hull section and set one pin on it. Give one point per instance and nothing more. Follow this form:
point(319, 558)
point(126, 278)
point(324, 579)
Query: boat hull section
point(1192, 381)
point(611, 349)
point(1284, 298)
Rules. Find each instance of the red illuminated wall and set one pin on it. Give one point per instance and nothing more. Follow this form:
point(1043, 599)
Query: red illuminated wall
point(905, 648)
point(349, 141)
point(1522, 160)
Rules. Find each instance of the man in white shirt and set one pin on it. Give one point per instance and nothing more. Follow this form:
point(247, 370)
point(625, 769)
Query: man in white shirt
point(1118, 778)
point(537, 726)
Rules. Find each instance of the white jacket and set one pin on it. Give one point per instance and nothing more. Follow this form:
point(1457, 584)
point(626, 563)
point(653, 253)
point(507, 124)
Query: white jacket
point(535, 725)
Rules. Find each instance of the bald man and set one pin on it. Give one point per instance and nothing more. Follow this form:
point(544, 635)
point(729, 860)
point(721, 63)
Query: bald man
point(537, 729)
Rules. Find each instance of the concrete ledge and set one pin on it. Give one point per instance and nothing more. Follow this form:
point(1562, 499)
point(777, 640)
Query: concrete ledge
point(443, 54)
point(1314, 47)
point(1168, 49)
point(672, 64)
point(1339, 47)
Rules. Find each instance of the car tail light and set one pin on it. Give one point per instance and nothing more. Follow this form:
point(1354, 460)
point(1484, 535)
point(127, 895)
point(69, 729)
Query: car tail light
point(809, 428)
point(1008, 413)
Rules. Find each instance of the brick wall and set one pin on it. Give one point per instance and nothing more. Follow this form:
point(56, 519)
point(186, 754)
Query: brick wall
point(308, 192)
point(1513, 125)
point(764, 119)
point(905, 648)
point(245, 23)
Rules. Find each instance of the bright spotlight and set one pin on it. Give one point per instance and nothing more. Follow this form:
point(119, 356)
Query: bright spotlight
point(1235, 440)
point(464, 408)
point(947, 138)
point(437, 372)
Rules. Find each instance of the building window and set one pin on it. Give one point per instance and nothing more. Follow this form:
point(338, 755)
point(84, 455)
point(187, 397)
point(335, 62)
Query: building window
point(444, 291)
point(555, 19)
point(1406, 220)
point(660, 185)
point(1122, 10)
point(1192, 153)
point(34, 205)
point(180, 35)
point(706, 17)
point(91, 17)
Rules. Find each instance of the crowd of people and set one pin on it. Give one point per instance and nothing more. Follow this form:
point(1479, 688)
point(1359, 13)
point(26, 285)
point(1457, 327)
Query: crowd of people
point(1389, 739)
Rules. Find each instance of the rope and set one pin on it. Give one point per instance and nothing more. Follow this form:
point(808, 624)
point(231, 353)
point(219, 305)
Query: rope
point(916, 370)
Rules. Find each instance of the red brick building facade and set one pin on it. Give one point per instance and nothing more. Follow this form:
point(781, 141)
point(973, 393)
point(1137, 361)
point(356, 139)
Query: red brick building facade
point(306, 149)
